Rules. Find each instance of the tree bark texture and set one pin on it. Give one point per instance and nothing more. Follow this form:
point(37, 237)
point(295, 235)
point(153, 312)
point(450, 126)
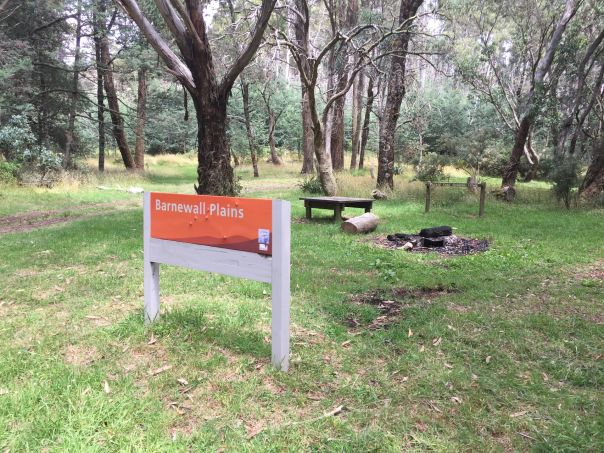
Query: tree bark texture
point(141, 117)
point(248, 125)
point(272, 124)
point(70, 133)
point(347, 17)
point(114, 108)
point(521, 135)
point(100, 95)
point(366, 121)
point(533, 159)
point(538, 89)
point(396, 93)
point(307, 136)
point(300, 25)
point(357, 108)
point(593, 184)
point(337, 127)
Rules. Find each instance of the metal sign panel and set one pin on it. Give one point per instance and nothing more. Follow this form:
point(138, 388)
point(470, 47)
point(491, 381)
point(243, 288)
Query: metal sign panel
point(243, 224)
point(240, 237)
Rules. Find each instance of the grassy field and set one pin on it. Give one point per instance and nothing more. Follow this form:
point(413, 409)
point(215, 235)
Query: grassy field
point(498, 351)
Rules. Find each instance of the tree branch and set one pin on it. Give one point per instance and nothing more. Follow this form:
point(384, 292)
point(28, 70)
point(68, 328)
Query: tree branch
point(244, 58)
point(173, 62)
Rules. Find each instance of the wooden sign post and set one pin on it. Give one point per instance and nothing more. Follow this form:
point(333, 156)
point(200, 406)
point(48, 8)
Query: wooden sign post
point(240, 237)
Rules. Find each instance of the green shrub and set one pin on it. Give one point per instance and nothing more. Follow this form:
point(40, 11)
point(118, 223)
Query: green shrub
point(18, 145)
point(430, 169)
point(311, 185)
point(566, 179)
point(8, 172)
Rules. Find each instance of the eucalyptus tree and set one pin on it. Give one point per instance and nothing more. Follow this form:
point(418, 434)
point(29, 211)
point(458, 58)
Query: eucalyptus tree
point(195, 68)
point(396, 92)
point(109, 85)
point(301, 26)
point(530, 105)
point(343, 16)
point(360, 42)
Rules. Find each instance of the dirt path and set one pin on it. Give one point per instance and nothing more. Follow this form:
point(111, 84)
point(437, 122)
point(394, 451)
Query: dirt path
point(33, 220)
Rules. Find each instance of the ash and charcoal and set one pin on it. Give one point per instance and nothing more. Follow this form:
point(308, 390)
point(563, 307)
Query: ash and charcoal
point(436, 239)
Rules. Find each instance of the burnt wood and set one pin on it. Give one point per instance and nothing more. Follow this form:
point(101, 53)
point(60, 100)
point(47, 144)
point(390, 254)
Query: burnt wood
point(435, 232)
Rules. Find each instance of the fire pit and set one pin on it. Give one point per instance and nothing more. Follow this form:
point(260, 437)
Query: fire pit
point(436, 239)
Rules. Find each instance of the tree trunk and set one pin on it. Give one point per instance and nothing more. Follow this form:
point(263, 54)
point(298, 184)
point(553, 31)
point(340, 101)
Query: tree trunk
point(214, 172)
point(70, 133)
point(396, 93)
point(347, 17)
point(324, 167)
point(337, 128)
point(100, 97)
point(533, 159)
point(307, 136)
point(582, 74)
point(141, 116)
point(301, 38)
point(593, 184)
point(272, 123)
point(597, 91)
point(357, 106)
point(248, 124)
point(366, 121)
point(537, 88)
point(42, 106)
point(511, 171)
point(114, 108)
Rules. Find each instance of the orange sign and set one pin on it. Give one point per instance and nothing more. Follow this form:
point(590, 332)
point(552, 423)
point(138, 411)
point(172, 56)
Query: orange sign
point(233, 223)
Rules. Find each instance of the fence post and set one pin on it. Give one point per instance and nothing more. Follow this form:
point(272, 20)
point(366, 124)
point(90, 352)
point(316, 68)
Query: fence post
point(483, 194)
point(428, 195)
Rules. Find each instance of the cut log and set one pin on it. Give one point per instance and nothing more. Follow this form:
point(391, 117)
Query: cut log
point(435, 232)
point(362, 224)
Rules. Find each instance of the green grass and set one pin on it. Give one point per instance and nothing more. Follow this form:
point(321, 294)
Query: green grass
point(518, 367)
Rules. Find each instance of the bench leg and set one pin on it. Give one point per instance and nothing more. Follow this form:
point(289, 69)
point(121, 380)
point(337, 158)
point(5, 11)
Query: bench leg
point(337, 214)
point(367, 209)
point(308, 212)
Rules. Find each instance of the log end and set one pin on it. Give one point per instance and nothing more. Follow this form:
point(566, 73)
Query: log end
point(365, 223)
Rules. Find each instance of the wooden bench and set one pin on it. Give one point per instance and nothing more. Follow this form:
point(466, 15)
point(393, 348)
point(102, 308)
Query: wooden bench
point(336, 204)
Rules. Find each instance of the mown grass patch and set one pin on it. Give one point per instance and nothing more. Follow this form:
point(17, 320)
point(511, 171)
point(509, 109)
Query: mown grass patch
point(507, 358)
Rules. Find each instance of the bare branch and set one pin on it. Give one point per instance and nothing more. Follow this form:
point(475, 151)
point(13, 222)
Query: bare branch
point(173, 62)
point(244, 58)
